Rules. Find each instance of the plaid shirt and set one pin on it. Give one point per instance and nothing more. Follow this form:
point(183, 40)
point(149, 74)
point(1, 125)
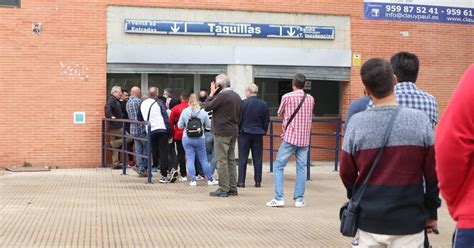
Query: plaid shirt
point(133, 106)
point(299, 131)
point(408, 95)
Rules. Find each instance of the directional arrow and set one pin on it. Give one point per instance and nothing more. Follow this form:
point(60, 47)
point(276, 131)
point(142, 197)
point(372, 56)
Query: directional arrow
point(175, 28)
point(291, 32)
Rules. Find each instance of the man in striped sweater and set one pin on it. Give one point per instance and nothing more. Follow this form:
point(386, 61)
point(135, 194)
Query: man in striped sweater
point(395, 209)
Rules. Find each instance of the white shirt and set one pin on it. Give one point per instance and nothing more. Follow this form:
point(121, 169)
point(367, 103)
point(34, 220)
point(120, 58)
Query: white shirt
point(156, 119)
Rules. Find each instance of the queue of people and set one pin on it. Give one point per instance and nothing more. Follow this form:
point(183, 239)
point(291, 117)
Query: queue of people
point(389, 166)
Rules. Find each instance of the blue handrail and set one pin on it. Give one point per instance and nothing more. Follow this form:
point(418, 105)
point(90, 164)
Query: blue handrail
point(124, 137)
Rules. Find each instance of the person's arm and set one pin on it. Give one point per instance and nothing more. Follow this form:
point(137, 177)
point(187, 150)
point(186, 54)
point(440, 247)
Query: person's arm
point(348, 167)
point(455, 140)
point(266, 120)
point(281, 109)
point(182, 119)
point(207, 122)
point(165, 116)
point(172, 123)
point(108, 109)
point(436, 120)
point(432, 201)
point(214, 102)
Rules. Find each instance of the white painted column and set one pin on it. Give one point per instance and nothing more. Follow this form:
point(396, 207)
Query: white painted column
point(197, 83)
point(240, 76)
point(144, 82)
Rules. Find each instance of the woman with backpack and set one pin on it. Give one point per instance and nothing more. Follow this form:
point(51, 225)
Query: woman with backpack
point(194, 121)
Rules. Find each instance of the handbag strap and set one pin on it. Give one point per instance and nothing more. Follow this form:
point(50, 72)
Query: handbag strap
point(149, 110)
point(377, 158)
point(296, 112)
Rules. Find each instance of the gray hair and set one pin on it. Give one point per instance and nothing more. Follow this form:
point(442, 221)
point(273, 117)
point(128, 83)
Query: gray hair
point(252, 88)
point(223, 79)
point(153, 92)
point(115, 88)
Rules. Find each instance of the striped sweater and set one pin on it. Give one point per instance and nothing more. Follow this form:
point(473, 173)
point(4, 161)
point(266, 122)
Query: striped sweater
point(395, 201)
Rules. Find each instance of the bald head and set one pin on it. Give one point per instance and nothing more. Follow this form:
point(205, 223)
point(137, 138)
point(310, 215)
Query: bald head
point(135, 91)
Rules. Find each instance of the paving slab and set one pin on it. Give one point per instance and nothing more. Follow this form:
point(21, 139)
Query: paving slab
point(102, 208)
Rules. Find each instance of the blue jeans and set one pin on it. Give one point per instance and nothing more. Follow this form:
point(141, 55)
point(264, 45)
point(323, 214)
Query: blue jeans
point(210, 152)
point(284, 153)
point(463, 237)
point(196, 147)
point(141, 148)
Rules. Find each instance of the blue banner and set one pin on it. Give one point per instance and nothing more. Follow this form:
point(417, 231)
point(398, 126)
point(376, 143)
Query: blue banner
point(461, 12)
point(229, 29)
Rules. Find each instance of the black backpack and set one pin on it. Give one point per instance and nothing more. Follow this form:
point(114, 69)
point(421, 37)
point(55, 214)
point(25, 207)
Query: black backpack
point(194, 127)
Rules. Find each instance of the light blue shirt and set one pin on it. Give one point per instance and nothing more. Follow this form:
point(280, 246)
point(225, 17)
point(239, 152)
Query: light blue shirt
point(186, 115)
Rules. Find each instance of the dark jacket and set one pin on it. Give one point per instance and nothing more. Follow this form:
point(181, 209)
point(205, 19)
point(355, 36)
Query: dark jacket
point(113, 109)
point(254, 116)
point(226, 113)
point(123, 105)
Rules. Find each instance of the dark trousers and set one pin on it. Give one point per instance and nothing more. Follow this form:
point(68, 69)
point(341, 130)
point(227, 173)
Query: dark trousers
point(463, 237)
point(253, 142)
point(181, 157)
point(159, 147)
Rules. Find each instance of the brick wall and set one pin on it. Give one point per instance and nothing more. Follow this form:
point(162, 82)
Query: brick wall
point(45, 78)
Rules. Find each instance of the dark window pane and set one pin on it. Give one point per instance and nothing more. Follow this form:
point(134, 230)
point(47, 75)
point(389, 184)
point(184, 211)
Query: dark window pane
point(126, 81)
point(325, 93)
point(177, 82)
point(13, 3)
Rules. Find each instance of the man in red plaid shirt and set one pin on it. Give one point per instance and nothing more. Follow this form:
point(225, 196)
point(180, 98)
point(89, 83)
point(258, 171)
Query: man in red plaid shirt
point(295, 140)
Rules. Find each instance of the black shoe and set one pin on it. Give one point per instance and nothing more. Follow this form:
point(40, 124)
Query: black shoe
point(233, 192)
point(173, 176)
point(219, 193)
point(241, 185)
point(258, 185)
point(117, 166)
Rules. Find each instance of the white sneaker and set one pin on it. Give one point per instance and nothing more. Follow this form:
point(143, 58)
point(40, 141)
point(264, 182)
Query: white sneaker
point(193, 183)
point(300, 204)
point(213, 182)
point(199, 178)
point(183, 179)
point(275, 203)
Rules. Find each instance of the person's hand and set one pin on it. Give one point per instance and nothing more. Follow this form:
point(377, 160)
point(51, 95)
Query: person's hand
point(213, 89)
point(170, 141)
point(430, 225)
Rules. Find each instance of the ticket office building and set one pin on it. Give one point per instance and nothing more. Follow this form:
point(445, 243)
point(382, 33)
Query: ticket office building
point(185, 49)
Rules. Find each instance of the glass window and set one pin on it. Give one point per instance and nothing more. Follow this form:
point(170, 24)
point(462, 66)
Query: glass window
point(125, 80)
point(177, 82)
point(325, 93)
point(206, 82)
point(10, 3)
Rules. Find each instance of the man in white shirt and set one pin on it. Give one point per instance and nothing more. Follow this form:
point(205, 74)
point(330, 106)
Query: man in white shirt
point(154, 111)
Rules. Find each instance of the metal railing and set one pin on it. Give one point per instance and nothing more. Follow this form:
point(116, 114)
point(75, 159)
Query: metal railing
point(124, 137)
point(337, 135)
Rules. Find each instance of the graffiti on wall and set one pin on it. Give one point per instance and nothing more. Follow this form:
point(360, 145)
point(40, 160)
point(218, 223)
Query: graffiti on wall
point(74, 71)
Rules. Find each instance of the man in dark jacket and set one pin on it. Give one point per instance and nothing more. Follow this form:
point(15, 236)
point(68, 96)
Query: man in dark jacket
point(113, 110)
point(225, 104)
point(253, 125)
